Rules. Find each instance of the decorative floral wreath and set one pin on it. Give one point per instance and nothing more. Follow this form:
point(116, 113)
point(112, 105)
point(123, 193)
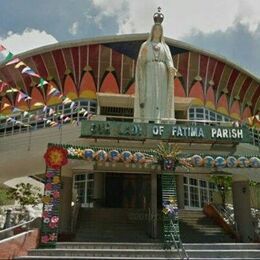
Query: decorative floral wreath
point(56, 157)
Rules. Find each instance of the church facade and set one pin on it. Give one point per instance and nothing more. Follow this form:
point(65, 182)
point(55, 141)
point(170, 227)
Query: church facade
point(109, 164)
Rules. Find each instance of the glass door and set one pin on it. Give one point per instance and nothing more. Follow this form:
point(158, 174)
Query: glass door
point(83, 184)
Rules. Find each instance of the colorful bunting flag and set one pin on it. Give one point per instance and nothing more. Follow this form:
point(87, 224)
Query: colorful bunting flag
point(51, 111)
point(16, 109)
point(18, 65)
point(66, 101)
point(12, 90)
point(42, 83)
point(14, 61)
point(29, 71)
point(21, 96)
point(9, 57)
point(5, 105)
point(72, 105)
point(45, 109)
point(2, 48)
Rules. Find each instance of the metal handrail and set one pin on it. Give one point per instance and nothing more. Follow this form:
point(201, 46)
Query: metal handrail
point(183, 254)
point(227, 215)
point(9, 232)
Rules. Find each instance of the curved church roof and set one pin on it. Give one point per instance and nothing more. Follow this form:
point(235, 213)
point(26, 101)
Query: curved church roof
point(81, 68)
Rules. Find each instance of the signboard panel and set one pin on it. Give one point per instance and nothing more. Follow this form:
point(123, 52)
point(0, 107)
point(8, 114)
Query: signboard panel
point(142, 131)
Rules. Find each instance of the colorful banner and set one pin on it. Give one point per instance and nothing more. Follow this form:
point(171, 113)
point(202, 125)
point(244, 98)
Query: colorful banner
point(51, 204)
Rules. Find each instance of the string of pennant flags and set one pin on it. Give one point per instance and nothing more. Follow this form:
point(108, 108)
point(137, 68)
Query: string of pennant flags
point(9, 59)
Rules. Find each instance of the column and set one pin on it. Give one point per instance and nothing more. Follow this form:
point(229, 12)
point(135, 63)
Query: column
point(180, 191)
point(242, 207)
point(65, 205)
point(154, 205)
point(98, 189)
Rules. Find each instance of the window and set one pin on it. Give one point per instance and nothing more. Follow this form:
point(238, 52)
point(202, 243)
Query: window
point(197, 192)
point(84, 186)
point(200, 113)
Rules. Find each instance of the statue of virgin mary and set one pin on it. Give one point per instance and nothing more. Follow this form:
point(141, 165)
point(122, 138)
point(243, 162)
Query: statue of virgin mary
point(154, 89)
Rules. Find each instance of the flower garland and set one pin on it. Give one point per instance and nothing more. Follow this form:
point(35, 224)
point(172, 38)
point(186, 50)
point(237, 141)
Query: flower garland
point(56, 157)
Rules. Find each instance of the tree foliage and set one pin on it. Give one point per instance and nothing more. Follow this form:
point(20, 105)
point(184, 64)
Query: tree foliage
point(4, 197)
point(26, 194)
point(223, 184)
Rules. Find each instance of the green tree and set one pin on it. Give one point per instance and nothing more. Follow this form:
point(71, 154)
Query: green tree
point(224, 184)
point(26, 194)
point(4, 197)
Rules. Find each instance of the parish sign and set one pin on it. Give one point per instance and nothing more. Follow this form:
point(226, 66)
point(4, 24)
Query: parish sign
point(142, 131)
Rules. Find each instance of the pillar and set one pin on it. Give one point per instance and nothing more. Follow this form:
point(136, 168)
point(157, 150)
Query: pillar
point(65, 205)
point(242, 207)
point(98, 189)
point(154, 216)
point(180, 191)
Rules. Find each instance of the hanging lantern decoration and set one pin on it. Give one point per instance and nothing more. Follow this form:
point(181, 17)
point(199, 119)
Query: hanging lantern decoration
point(231, 162)
point(254, 162)
point(220, 162)
point(56, 157)
point(127, 156)
point(101, 155)
point(209, 161)
point(196, 160)
point(89, 154)
point(139, 157)
point(114, 155)
point(243, 162)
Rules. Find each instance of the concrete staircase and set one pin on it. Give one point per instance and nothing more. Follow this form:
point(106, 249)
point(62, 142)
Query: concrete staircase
point(195, 227)
point(103, 251)
point(153, 251)
point(112, 224)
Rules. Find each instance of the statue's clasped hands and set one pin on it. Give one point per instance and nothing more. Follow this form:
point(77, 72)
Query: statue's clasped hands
point(172, 71)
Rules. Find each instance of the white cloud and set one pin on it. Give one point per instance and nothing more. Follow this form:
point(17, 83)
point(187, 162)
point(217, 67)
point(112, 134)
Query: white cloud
point(29, 39)
point(181, 17)
point(74, 28)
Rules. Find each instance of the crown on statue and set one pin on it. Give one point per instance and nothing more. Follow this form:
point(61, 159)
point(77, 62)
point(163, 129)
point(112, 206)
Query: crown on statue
point(158, 16)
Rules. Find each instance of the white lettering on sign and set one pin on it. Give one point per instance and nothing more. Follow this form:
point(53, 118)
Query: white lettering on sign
point(179, 131)
point(225, 133)
point(158, 130)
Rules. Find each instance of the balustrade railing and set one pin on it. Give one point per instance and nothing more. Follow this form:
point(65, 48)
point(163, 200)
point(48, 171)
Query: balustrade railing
point(17, 229)
point(20, 123)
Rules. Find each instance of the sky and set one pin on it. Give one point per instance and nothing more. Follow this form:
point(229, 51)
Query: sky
point(230, 28)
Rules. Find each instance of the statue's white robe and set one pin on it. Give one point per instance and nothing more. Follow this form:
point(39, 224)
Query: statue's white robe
point(154, 86)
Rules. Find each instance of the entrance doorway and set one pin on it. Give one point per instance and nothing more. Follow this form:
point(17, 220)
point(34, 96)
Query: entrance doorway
point(127, 190)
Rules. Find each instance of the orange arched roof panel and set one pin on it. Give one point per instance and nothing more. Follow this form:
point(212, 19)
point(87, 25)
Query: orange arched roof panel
point(6, 106)
point(37, 98)
point(197, 93)
point(87, 87)
point(222, 105)
point(235, 110)
point(131, 90)
point(210, 99)
point(246, 113)
point(23, 105)
point(109, 85)
point(178, 88)
point(69, 88)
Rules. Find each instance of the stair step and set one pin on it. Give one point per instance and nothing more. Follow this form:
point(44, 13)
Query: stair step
point(103, 252)
point(109, 245)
